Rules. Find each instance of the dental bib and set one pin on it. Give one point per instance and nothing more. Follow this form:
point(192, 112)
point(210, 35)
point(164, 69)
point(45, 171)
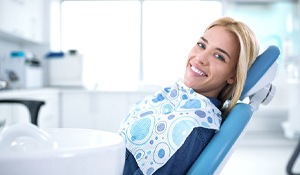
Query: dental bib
point(157, 126)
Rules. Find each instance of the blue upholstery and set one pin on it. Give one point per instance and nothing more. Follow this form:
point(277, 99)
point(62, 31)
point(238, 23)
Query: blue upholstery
point(215, 155)
point(222, 142)
point(262, 63)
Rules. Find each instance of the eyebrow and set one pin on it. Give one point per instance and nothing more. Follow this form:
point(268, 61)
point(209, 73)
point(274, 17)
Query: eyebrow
point(219, 49)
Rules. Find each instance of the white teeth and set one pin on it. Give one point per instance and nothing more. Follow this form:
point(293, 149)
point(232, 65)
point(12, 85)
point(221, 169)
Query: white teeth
point(197, 71)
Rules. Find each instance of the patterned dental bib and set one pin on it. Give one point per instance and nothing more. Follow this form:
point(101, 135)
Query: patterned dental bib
point(158, 125)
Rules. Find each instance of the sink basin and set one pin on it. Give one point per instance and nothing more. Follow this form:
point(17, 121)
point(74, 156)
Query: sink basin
point(28, 150)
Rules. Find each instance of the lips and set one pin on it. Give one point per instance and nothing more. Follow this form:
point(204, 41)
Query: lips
point(197, 71)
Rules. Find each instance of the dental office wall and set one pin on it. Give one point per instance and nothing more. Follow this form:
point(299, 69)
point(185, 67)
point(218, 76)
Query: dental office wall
point(275, 23)
point(13, 39)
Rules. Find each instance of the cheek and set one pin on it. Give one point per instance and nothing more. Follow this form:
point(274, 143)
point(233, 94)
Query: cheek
point(231, 77)
point(233, 70)
point(222, 72)
point(192, 53)
point(188, 60)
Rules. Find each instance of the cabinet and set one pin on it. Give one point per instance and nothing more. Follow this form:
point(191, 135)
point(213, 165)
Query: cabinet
point(97, 110)
point(22, 19)
point(72, 108)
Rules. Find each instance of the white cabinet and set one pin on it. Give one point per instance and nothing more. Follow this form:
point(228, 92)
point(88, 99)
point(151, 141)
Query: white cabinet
point(33, 29)
point(22, 19)
point(72, 108)
point(97, 110)
point(76, 110)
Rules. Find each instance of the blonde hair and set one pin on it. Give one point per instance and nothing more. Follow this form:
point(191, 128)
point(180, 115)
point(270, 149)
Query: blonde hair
point(249, 49)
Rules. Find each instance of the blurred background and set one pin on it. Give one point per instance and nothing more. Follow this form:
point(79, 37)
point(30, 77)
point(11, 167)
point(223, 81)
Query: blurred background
point(91, 60)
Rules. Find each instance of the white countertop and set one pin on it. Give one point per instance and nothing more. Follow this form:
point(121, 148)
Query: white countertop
point(55, 90)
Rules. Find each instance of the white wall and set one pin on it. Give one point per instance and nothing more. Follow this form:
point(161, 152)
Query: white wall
point(9, 43)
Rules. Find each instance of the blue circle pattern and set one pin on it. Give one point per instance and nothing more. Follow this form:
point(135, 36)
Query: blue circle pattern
point(159, 125)
point(181, 131)
point(141, 130)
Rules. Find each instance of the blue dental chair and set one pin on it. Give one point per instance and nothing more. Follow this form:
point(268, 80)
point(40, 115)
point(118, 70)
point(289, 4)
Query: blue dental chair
point(257, 90)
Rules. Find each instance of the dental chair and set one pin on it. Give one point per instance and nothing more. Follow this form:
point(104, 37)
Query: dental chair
point(257, 90)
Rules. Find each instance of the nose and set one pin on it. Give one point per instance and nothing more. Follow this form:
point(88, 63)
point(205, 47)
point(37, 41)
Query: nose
point(202, 58)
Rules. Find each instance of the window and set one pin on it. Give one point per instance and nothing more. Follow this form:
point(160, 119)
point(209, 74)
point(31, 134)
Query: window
point(107, 33)
point(125, 43)
point(170, 30)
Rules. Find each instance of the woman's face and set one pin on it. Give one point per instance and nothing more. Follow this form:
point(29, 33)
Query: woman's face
point(212, 62)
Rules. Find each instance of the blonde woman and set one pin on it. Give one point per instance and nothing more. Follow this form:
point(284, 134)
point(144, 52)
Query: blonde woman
point(166, 132)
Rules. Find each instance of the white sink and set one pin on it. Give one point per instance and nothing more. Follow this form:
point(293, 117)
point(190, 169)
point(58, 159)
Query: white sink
point(28, 150)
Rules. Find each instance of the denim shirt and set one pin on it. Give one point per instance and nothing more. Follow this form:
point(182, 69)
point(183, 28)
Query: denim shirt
point(185, 155)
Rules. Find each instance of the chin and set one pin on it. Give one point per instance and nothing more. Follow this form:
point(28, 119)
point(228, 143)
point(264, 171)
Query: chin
point(187, 83)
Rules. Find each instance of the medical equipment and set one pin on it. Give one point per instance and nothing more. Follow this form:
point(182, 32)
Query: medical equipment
point(292, 161)
point(259, 90)
point(28, 150)
point(33, 107)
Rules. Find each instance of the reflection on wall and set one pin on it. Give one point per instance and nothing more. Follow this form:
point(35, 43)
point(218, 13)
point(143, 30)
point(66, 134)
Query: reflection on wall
point(277, 24)
point(274, 23)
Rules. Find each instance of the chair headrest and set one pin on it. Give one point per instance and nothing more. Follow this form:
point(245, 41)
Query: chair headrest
point(262, 72)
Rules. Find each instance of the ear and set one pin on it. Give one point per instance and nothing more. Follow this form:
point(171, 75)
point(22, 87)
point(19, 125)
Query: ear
point(231, 79)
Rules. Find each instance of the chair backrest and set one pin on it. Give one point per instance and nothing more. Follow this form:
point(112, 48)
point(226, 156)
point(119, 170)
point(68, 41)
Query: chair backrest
point(259, 90)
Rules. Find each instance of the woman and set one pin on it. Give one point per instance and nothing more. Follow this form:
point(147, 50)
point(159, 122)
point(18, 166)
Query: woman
point(166, 132)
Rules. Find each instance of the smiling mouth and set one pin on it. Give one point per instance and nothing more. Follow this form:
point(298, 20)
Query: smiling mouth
point(197, 71)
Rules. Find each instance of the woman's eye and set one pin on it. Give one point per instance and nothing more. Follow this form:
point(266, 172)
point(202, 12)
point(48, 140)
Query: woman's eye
point(219, 57)
point(201, 45)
